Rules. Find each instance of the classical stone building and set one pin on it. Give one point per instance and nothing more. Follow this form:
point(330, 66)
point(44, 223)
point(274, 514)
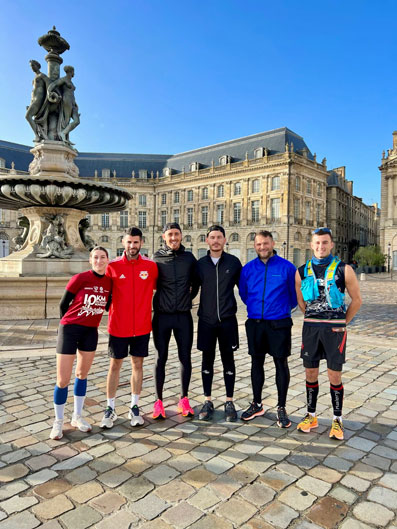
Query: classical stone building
point(388, 219)
point(268, 181)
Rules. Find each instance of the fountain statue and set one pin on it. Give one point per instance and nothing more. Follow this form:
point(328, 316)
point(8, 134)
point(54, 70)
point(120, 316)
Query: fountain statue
point(52, 201)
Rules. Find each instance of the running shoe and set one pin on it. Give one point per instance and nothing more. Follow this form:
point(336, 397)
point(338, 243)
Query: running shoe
point(253, 411)
point(56, 432)
point(79, 422)
point(282, 418)
point(207, 411)
point(337, 430)
point(158, 410)
point(230, 412)
point(108, 418)
point(308, 423)
point(185, 408)
point(136, 419)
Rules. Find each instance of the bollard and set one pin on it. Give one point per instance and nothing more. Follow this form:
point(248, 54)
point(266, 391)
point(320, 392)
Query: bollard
point(362, 276)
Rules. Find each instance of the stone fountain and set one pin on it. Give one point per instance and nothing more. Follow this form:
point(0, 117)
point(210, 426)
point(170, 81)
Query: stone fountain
point(52, 200)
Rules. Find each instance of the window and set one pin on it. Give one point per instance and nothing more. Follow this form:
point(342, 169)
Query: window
point(297, 257)
point(258, 153)
point(201, 252)
point(309, 187)
point(308, 215)
point(202, 238)
point(105, 173)
point(142, 173)
point(163, 199)
point(176, 215)
point(190, 195)
point(188, 238)
point(255, 210)
point(237, 188)
point(237, 212)
point(166, 171)
point(255, 186)
point(297, 237)
point(318, 214)
point(220, 192)
point(141, 219)
point(275, 183)
point(298, 183)
point(234, 237)
point(297, 210)
point(251, 236)
point(204, 215)
point(176, 197)
point(120, 252)
point(105, 220)
point(275, 209)
point(204, 193)
point(2, 163)
point(190, 217)
point(142, 200)
point(251, 254)
point(194, 166)
point(319, 190)
point(308, 254)
point(104, 238)
point(220, 213)
point(163, 217)
point(223, 160)
point(275, 235)
point(123, 219)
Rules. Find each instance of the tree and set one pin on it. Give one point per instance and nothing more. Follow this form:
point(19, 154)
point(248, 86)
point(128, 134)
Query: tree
point(369, 256)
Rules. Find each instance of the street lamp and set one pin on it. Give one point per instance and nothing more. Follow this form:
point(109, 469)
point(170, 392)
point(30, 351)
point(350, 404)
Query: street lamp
point(227, 247)
point(391, 252)
point(388, 257)
point(284, 247)
point(4, 248)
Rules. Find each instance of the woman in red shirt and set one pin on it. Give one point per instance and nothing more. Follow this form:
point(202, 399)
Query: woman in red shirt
point(82, 306)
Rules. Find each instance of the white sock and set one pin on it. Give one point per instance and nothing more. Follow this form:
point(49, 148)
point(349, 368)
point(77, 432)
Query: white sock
point(134, 400)
point(312, 414)
point(78, 404)
point(111, 402)
point(59, 411)
point(339, 418)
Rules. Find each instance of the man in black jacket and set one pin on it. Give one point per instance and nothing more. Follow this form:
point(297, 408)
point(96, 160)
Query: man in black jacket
point(218, 273)
point(176, 287)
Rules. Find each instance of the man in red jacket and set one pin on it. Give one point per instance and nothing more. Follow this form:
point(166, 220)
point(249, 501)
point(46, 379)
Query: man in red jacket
point(134, 279)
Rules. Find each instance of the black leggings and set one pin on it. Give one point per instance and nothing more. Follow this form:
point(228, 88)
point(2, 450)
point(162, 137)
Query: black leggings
point(229, 371)
point(258, 378)
point(182, 326)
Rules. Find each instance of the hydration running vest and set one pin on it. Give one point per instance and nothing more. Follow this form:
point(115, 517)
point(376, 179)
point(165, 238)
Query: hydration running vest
point(309, 288)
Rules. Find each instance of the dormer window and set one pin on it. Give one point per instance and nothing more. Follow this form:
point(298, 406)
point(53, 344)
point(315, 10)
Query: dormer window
point(105, 173)
point(224, 160)
point(142, 173)
point(194, 166)
point(2, 163)
point(258, 153)
point(167, 171)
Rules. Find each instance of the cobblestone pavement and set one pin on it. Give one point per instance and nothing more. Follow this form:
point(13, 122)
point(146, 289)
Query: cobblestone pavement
point(181, 473)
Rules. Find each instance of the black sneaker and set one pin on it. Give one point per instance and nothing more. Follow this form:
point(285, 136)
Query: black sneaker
point(282, 418)
point(230, 412)
point(207, 411)
point(253, 411)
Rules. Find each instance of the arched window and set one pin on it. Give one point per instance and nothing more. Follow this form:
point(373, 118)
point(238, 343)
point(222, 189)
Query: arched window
point(201, 238)
point(104, 238)
point(255, 186)
point(220, 191)
point(258, 153)
point(275, 236)
point(297, 237)
point(237, 188)
point(234, 237)
point(188, 238)
point(204, 193)
point(223, 160)
point(251, 236)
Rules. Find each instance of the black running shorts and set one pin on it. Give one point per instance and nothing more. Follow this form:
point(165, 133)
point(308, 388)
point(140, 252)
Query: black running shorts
point(133, 346)
point(269, 337)
point(323, 342)
point(73, 336)
point(226, 332)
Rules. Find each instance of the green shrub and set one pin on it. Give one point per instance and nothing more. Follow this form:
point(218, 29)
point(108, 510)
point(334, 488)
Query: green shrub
point(369, 256)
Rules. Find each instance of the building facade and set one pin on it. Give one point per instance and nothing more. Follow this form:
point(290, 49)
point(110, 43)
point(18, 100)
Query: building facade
point(265, 181)
point(388, 219)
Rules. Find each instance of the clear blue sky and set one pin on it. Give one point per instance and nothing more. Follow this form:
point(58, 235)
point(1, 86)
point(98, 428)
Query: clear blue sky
point(156, 76)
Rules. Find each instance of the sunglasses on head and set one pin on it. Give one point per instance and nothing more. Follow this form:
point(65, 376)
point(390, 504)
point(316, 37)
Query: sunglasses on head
point(321, 231)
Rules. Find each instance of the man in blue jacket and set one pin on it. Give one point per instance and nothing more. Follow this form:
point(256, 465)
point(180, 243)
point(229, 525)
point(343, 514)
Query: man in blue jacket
point(267, 287)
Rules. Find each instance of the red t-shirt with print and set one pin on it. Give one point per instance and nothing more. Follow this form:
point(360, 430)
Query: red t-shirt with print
point(91, 295)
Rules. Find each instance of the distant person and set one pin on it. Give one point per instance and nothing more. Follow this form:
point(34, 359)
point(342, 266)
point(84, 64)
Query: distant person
point(320, 287)
point(172, 303)
point(81, 307)
point(130, 322)
point(267, 287)
point(218, 273)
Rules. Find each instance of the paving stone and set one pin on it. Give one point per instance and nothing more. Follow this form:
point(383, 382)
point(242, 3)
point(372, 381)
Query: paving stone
point(275, 453)
point(279, 515)
point(344, 495)
point(258, 464)
point(307, 525)
point(350, 523)
point(183, 463)
point(182, 515)
point(108, 502)
point(302, 461)
point(236, 511)
point(161, 474)
point(52, 524)
point(22, 520)
point(18, 503)
point(377, 461)
point(218, 465)
point(224, 486)
point(203, 499)
point(389, 480)
point(156, 524)
point(291, 470)
point(315, 486)
point(85, 492)
point(337, 463)
point(81, 475)
point(175, 490)
point(356, 483)
point(325, 474)
point(135, 488)
point(63, 452)
point(297, 498)
point(82, 517)
point(52, 488)
point(11, 489)
point(150, 507)
point(384, 496)
point(114, 478)
point(258, 494)
point(211, 521)
point(41, 477)
point(198, 477)
point(366, 472)
point(277, 480)
point(120, 520)
point(328, 512)
point(73, 462)
point(53, 507)
point(134, 450)
point(12, 472)
point(242, 474)
point(373, 513)
point(361, 444)
point(384, 451)
point(16, 455)
point(155, 457)
point(39, 462)
point(203, 453)
point(257, 523)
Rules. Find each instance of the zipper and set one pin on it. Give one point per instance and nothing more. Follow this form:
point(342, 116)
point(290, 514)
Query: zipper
point(264, 290)
point(217, 291)
point(133, 294)
point(176, 293)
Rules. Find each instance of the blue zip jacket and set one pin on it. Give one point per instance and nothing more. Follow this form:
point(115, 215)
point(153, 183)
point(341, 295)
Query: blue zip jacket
point(268, 289)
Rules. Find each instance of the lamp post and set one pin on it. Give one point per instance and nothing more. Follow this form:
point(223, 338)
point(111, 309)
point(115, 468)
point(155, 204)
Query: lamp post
point(191, 246)
point(284, 247)
point(227, 247)
point(391, 255)
point(388, 257)
point(4, 248)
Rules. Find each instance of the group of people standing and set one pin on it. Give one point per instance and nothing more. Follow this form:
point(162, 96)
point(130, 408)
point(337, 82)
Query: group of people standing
point(270, 287)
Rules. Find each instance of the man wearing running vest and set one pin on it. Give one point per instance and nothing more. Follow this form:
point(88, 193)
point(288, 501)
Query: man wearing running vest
point(320, 288)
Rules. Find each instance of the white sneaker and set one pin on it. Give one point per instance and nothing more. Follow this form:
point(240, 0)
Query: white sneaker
point(79, 422)
point(56, 432)
point(136, 419)
point(108, 418)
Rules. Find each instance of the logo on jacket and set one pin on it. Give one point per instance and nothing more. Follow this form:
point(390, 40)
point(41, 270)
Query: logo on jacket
point(144, 274)
point(122, 276)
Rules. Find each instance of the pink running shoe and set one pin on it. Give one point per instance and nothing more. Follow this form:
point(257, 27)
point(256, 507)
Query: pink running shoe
point(158, 410)
point(185, 408)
